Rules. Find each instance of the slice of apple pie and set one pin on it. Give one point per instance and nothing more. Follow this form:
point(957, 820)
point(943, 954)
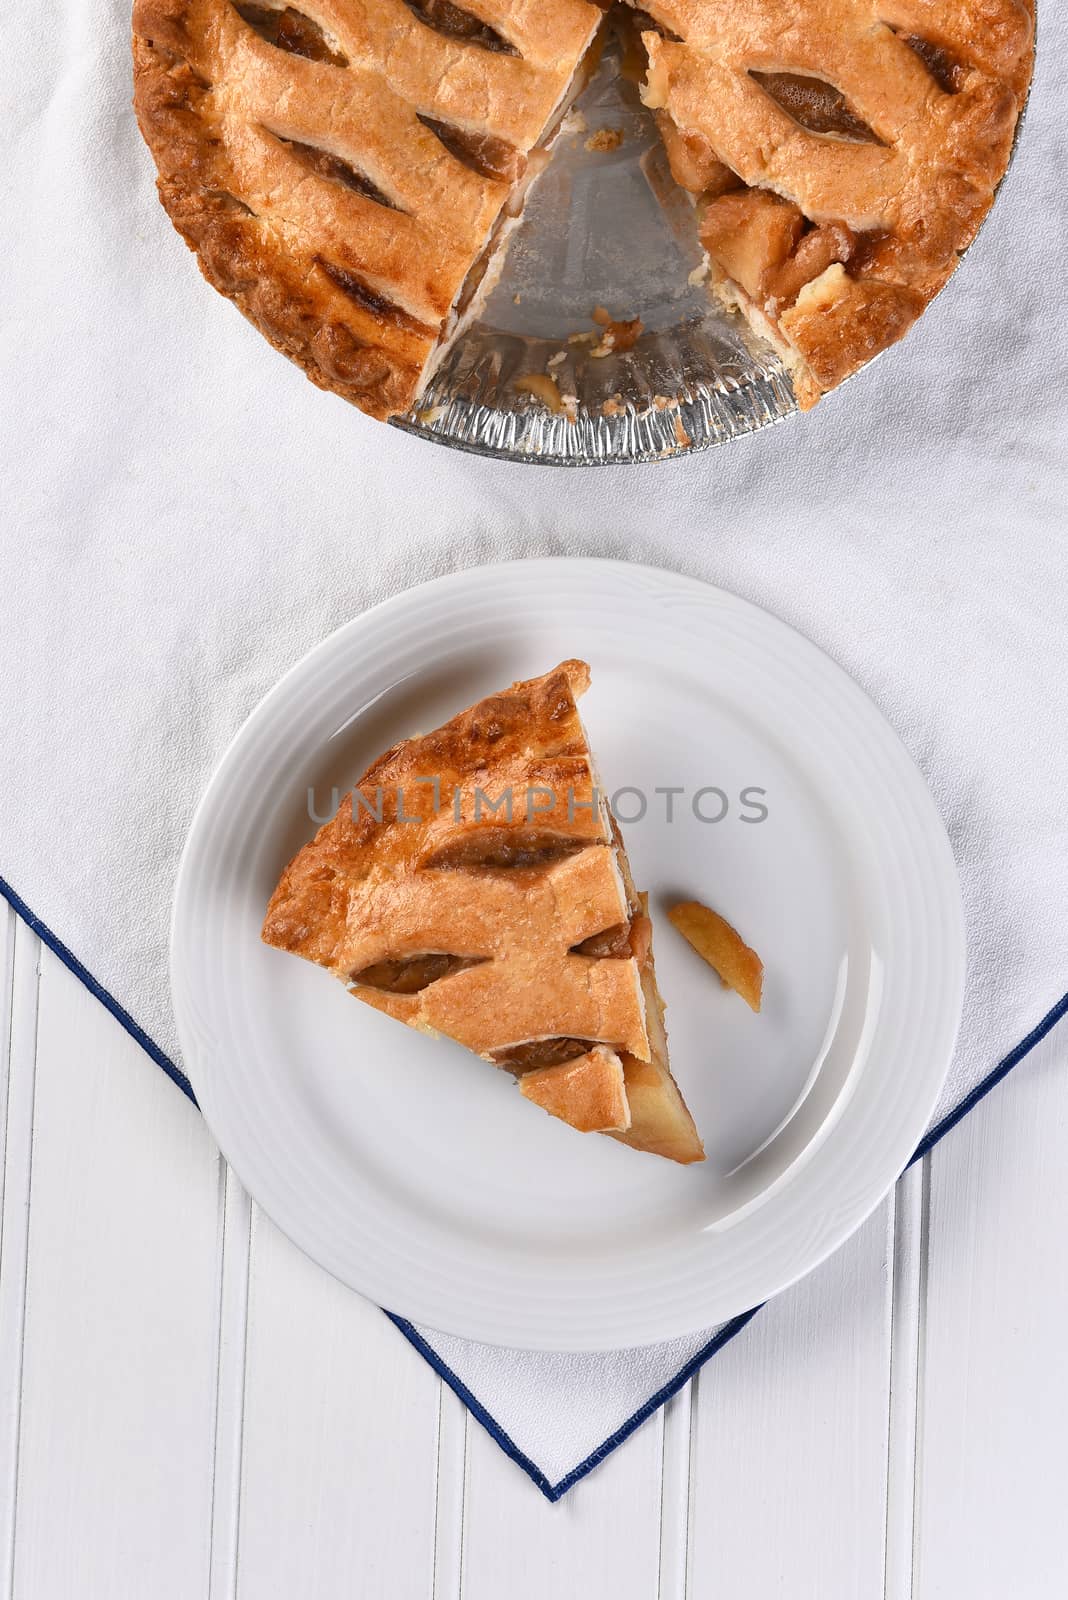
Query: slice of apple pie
point(474, 884)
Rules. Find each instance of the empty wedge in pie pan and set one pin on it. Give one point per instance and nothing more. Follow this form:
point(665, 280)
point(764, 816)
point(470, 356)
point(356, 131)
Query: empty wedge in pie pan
point(605, 232)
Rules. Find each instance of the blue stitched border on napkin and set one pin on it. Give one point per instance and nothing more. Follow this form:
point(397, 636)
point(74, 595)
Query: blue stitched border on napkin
point(730, 1330)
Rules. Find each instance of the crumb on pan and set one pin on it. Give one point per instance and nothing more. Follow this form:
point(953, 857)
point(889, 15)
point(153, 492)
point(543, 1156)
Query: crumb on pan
point(542, 385)
point(605, 140)
point(616, 336)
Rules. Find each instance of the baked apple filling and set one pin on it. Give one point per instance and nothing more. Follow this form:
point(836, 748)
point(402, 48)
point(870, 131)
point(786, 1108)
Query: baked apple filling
point(946, 68)
point(455, 23)
point(815, 105)
point(630, 940)
point(504, 849)
point(533, 1053)
point(370, 299)
point(484, 153)
point(335, 170)
point(289, 29)
point(412, 974)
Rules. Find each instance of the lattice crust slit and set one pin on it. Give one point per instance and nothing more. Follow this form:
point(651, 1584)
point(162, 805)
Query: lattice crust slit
point(339, 168)
point(845, 152)
point(473, 885)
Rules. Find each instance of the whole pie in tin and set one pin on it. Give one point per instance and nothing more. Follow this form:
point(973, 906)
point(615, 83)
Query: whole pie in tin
point(348, 172)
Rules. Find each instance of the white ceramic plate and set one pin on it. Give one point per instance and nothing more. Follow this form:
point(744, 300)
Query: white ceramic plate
point(415, 1172)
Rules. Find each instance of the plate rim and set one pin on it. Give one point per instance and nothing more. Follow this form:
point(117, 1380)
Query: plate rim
point(953, 948)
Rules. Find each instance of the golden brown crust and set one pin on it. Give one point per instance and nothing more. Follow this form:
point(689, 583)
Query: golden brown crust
point(528, 737)
point(929, 93)
point(587, 1092)
point(487, 833)
point(522, 924)
point(349, 266)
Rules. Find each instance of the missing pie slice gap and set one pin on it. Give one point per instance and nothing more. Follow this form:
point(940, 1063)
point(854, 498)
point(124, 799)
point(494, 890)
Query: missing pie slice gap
point(474, 885)
point(350, 173)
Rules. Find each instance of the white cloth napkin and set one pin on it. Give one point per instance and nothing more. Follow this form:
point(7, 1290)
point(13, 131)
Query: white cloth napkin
point(184, 516)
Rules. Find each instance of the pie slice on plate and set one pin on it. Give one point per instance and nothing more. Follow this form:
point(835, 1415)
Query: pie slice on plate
point(348, 171)
point(473, 884)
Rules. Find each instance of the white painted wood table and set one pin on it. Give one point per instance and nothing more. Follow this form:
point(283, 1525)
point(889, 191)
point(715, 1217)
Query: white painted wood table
point(190, 1408)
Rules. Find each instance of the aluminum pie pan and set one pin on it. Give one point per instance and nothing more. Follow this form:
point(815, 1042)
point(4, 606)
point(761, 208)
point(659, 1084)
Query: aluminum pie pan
point(605, 228)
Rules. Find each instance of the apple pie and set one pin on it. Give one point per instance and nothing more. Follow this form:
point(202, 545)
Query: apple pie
point(474, 885)
point(348, 171)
